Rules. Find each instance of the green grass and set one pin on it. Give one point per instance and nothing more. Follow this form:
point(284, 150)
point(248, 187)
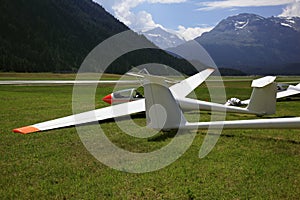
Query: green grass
point(245, 164)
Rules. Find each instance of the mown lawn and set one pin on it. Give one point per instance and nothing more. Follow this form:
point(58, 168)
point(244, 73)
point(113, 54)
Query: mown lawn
point(245, 164)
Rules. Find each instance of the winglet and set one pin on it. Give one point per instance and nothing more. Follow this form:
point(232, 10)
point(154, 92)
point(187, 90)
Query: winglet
point(26, 130)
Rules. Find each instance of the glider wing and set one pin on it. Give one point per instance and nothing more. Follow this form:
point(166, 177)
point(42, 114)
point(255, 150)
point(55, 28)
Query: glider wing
point(65, 82)
point(291, 90)
point(183, 88)
point(86, 117)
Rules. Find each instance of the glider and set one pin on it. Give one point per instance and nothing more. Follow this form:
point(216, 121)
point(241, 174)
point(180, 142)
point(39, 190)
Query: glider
point(290, 91)
point(281, 93)
point(262, 102)
point(164, 113)
point(182, 88)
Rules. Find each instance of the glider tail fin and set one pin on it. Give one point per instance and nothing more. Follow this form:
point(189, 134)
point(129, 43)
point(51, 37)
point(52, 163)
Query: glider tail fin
point(162, 110)
point(263, 97)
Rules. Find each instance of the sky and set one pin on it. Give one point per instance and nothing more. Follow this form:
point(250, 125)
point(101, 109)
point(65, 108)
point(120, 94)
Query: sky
point(190, 18)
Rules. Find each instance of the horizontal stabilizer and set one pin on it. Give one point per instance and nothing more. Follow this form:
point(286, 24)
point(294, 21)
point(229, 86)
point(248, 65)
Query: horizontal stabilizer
point(262, 82)
point(263, 97)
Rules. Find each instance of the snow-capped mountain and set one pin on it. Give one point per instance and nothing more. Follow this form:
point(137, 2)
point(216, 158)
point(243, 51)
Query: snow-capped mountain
point(251, 22)
point(162, 38)
point(255, 44)
point(291, 22)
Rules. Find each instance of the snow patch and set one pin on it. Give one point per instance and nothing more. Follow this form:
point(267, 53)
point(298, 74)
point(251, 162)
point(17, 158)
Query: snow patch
point(288, 25)
point(154, 35)
point(241, 25)
point(291, 21)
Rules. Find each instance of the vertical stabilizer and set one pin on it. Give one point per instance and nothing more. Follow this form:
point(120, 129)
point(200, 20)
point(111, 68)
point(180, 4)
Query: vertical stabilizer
point(263, 97)
point(162, 110)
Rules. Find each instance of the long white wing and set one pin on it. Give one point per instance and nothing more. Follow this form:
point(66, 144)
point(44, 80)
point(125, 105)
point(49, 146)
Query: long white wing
point(276, 123)
point(186, 86)
point(65, 82)
point(86, 117)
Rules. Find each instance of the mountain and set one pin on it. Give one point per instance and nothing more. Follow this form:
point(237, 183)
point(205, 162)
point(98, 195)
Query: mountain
point(163, 39)
point(255, 45)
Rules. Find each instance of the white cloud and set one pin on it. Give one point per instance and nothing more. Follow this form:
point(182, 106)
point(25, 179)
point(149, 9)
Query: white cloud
point(292, 10)
point(192, 33)
point(211, 5)
point(141, 21)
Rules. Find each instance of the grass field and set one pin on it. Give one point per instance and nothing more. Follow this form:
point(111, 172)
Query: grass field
point(245, 164)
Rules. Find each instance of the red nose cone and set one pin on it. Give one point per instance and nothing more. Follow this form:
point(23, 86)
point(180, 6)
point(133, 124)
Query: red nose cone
point(107, 99)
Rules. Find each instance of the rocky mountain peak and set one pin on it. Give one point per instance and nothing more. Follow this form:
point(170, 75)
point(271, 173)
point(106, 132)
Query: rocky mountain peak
point(255, 44)
point(163, 38)
point(238, 22)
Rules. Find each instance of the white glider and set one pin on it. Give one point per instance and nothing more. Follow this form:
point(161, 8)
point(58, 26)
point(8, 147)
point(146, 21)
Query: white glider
point(262, 102)
point(164, 113)
point(116, 110)
point(290, 91)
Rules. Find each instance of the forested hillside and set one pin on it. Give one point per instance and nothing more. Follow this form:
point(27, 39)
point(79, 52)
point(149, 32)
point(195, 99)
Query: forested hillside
point(56, 36)
point(51, 35)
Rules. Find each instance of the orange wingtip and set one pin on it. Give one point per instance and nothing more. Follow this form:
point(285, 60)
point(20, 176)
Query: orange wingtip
point(26, 130)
